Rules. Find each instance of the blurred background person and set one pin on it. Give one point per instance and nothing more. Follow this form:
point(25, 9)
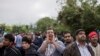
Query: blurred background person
point(18, 40)
point(93, 37)
point(68, 39)
point(38, 39)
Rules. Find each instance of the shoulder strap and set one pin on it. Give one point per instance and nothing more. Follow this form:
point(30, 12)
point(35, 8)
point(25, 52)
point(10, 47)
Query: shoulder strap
point(16, 51)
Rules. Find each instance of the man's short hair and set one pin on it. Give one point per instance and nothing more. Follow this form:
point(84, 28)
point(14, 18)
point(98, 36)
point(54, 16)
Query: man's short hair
point(49, 29)
point(79, 30)
point(26, 39)
point(67, 32)
point(10, 37)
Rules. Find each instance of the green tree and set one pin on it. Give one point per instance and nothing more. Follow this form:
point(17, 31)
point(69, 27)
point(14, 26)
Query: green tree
point(80, 14)
point(46, 22)
point(43, 23)
point(2, 28)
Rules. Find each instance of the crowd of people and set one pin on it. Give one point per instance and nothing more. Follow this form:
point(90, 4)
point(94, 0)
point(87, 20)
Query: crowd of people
point(49, 44)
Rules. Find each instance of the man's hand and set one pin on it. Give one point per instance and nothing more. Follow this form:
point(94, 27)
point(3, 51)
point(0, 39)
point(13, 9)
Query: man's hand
point(50, 39)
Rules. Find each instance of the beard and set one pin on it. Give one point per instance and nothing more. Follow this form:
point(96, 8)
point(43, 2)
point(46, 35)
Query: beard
point(94, 41)
point(82, 39)
point(68, 41)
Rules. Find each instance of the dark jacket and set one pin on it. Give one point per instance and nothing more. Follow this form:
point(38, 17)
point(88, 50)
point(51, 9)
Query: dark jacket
point(30, 52)
point(34, 46)
point(11, 51)
point(72, 50)
point(38, 41)
point(1, 51)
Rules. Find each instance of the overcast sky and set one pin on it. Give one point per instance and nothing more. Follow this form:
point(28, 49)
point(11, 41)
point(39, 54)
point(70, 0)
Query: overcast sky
point(26, 11)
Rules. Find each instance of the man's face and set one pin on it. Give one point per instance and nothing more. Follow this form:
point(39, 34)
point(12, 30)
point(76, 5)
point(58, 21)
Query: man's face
point(6, 42)
point(67, 37)
point(94, 39)
point(81, 36)
point(50, 34)
point(25, 45)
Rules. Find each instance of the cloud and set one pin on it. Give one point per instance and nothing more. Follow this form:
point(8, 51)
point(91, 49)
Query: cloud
point(26, 11)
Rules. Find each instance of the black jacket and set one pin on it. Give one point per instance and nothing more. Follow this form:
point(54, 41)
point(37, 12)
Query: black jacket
point(1, 51)
point(11, 51)
point(31, 52)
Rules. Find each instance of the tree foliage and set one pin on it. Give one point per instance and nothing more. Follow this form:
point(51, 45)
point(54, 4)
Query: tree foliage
point(16, 28)
point(80, 14)
point(46, 22)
